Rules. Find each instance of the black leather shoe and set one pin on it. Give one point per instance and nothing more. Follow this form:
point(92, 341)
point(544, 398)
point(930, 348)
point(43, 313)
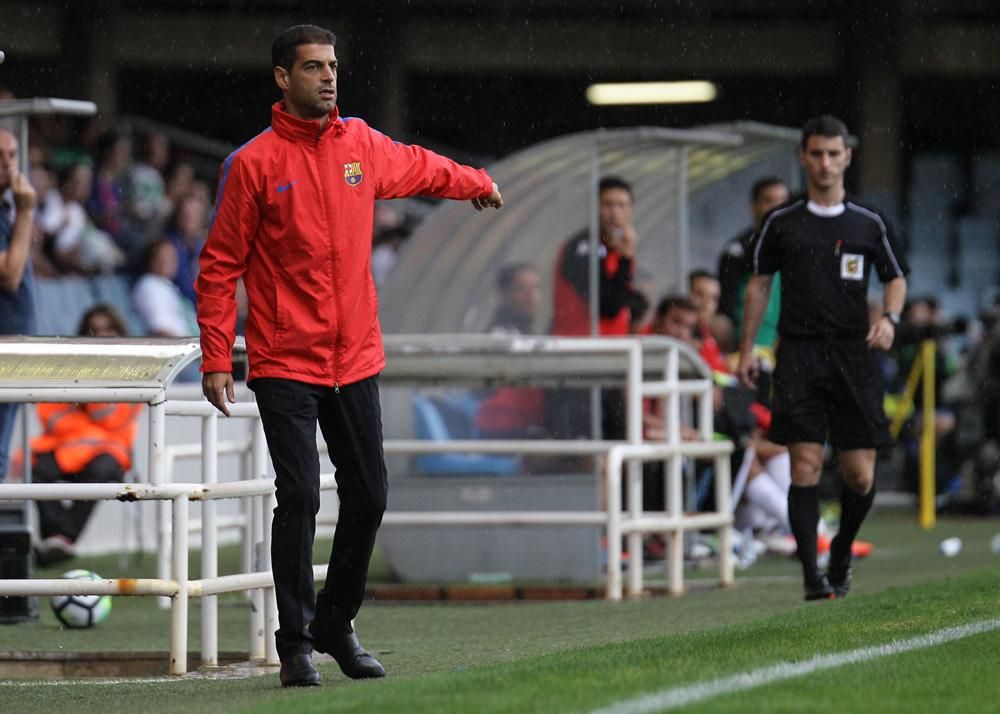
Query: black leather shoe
point(819, 589)
point(298, 671)
point(840, 580)
point(839, 570)
point(354, 660)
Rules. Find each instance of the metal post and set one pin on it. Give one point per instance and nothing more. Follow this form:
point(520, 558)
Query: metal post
point(928, 507)
point(209, 541)
point(723, 498)
point(179, 609)
point(613, 547)
point(674, 472)
point(593, 285)
point(270, 600)
point(633, 403)
point(257, 624)
point(246, 530)
point(683, 228)
point(157, 477)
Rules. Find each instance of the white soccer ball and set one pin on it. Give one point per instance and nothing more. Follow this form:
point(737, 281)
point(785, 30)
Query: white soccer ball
point(80, 611)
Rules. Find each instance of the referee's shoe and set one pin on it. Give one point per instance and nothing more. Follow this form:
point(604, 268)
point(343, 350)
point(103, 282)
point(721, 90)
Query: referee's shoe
point(818, 588)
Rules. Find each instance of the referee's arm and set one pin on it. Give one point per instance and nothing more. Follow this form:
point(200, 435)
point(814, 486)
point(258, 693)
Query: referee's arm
point(882, 333)
point(758, 294)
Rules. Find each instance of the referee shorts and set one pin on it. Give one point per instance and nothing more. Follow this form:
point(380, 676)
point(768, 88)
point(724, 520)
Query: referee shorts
point(828, 390)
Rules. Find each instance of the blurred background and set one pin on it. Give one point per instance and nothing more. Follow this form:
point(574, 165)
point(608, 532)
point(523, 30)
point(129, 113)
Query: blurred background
point(180, 83)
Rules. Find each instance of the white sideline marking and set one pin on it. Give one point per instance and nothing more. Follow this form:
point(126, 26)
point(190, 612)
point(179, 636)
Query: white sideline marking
point(74, 682)
point(676, 697)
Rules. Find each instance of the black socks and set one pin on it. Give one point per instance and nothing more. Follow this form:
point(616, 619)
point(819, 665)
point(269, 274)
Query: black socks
point(853, 509)
point(803, 516)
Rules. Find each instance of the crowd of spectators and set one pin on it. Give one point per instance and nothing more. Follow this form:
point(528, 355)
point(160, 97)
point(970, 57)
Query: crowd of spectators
point(111, 210)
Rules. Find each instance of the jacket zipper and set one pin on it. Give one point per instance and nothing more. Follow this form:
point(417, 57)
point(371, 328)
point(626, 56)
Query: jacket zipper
point(333, 259)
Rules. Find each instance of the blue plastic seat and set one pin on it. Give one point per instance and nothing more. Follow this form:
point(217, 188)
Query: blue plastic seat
point(442, 419)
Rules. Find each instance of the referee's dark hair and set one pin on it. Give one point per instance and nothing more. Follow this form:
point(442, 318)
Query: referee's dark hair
point(506, 274)
point(283, 47)
point(761, 185)
point(826, 125)
point(609, 182)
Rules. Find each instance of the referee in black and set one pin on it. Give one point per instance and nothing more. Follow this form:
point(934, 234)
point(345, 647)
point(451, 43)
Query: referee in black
point(826, 382)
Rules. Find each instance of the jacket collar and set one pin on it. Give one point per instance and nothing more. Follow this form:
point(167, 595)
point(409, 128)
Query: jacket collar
point(303, 130)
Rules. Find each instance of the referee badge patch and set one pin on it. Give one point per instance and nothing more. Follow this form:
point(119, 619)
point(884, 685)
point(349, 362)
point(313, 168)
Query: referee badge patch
point(852, 266)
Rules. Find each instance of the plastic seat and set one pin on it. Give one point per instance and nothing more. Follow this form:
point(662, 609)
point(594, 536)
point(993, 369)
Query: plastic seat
point(440, 419)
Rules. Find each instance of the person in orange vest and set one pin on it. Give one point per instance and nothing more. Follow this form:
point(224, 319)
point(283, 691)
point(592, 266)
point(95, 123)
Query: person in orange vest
point(83, 443)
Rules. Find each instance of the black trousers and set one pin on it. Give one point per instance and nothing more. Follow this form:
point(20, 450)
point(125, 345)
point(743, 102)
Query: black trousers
point(350, 419)
point(55, 517)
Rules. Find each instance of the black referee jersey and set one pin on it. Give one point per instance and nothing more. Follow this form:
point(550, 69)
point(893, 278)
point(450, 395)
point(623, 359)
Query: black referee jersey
point(825, 255)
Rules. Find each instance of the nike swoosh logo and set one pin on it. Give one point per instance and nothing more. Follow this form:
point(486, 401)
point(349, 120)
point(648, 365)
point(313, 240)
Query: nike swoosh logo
point(282, 189)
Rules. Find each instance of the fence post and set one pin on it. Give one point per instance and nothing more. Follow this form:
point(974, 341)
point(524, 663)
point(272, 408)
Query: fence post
point(157, 477)
point(270, 598)
point(179, 609)
point(613, 535)
point(259, 465)
point(209, 541)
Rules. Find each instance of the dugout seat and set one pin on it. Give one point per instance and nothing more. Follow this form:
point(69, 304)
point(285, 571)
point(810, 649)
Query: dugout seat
point(445, 418)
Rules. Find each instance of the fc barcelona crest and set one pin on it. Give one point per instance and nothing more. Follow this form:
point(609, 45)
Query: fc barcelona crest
point(352, 173)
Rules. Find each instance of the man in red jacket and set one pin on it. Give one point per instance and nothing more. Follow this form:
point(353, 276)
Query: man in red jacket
point(293, 218)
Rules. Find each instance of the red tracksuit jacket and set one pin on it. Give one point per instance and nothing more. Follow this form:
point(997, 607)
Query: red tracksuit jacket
point(293, 216)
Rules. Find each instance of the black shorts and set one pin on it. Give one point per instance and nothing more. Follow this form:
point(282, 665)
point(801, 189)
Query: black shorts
point(828, 390)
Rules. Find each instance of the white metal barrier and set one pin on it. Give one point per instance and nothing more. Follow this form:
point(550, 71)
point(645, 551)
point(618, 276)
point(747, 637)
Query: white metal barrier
point(177, 585)
point(416, 359)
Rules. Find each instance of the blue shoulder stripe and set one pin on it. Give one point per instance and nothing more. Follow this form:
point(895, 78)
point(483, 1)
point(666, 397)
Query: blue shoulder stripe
point(225, 176)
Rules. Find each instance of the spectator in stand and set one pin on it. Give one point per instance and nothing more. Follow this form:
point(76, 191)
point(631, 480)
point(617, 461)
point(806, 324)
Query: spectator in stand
point(80, 443)
point(616, 256)
point(149, 206)
point(569, 413)
point(48, 212)
point(180, 182)
point(78, 246)
point(187, 232)
point(164, 310)
point(17, 289)
point(107, 202)
point(703, 291)
point(514, 412)
point(736, 266)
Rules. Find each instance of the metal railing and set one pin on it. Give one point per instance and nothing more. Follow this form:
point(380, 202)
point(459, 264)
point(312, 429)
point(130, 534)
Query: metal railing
point(417, 361)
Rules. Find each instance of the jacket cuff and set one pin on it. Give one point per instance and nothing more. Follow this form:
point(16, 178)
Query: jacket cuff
point(218, 364)
point(487, 184)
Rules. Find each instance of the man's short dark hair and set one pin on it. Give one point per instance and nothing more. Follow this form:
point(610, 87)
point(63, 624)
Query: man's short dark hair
point(283, 48)
point(761, 185)
point(506, 274)
point(698, 275)
point(670, 302)
point(826, 126)
point(611, 182)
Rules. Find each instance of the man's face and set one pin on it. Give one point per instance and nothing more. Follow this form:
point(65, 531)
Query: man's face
point(768, 198)
point(615, 210)
point(8, 159)
point(705, 294)
point(310, 85)
point(524, 296)
point(680, 324)
point(825, 159)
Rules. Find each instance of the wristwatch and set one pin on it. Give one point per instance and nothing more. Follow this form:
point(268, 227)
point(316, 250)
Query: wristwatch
point(893, 317)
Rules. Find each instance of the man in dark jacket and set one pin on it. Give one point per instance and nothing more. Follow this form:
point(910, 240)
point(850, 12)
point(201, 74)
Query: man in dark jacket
point(293, 217)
